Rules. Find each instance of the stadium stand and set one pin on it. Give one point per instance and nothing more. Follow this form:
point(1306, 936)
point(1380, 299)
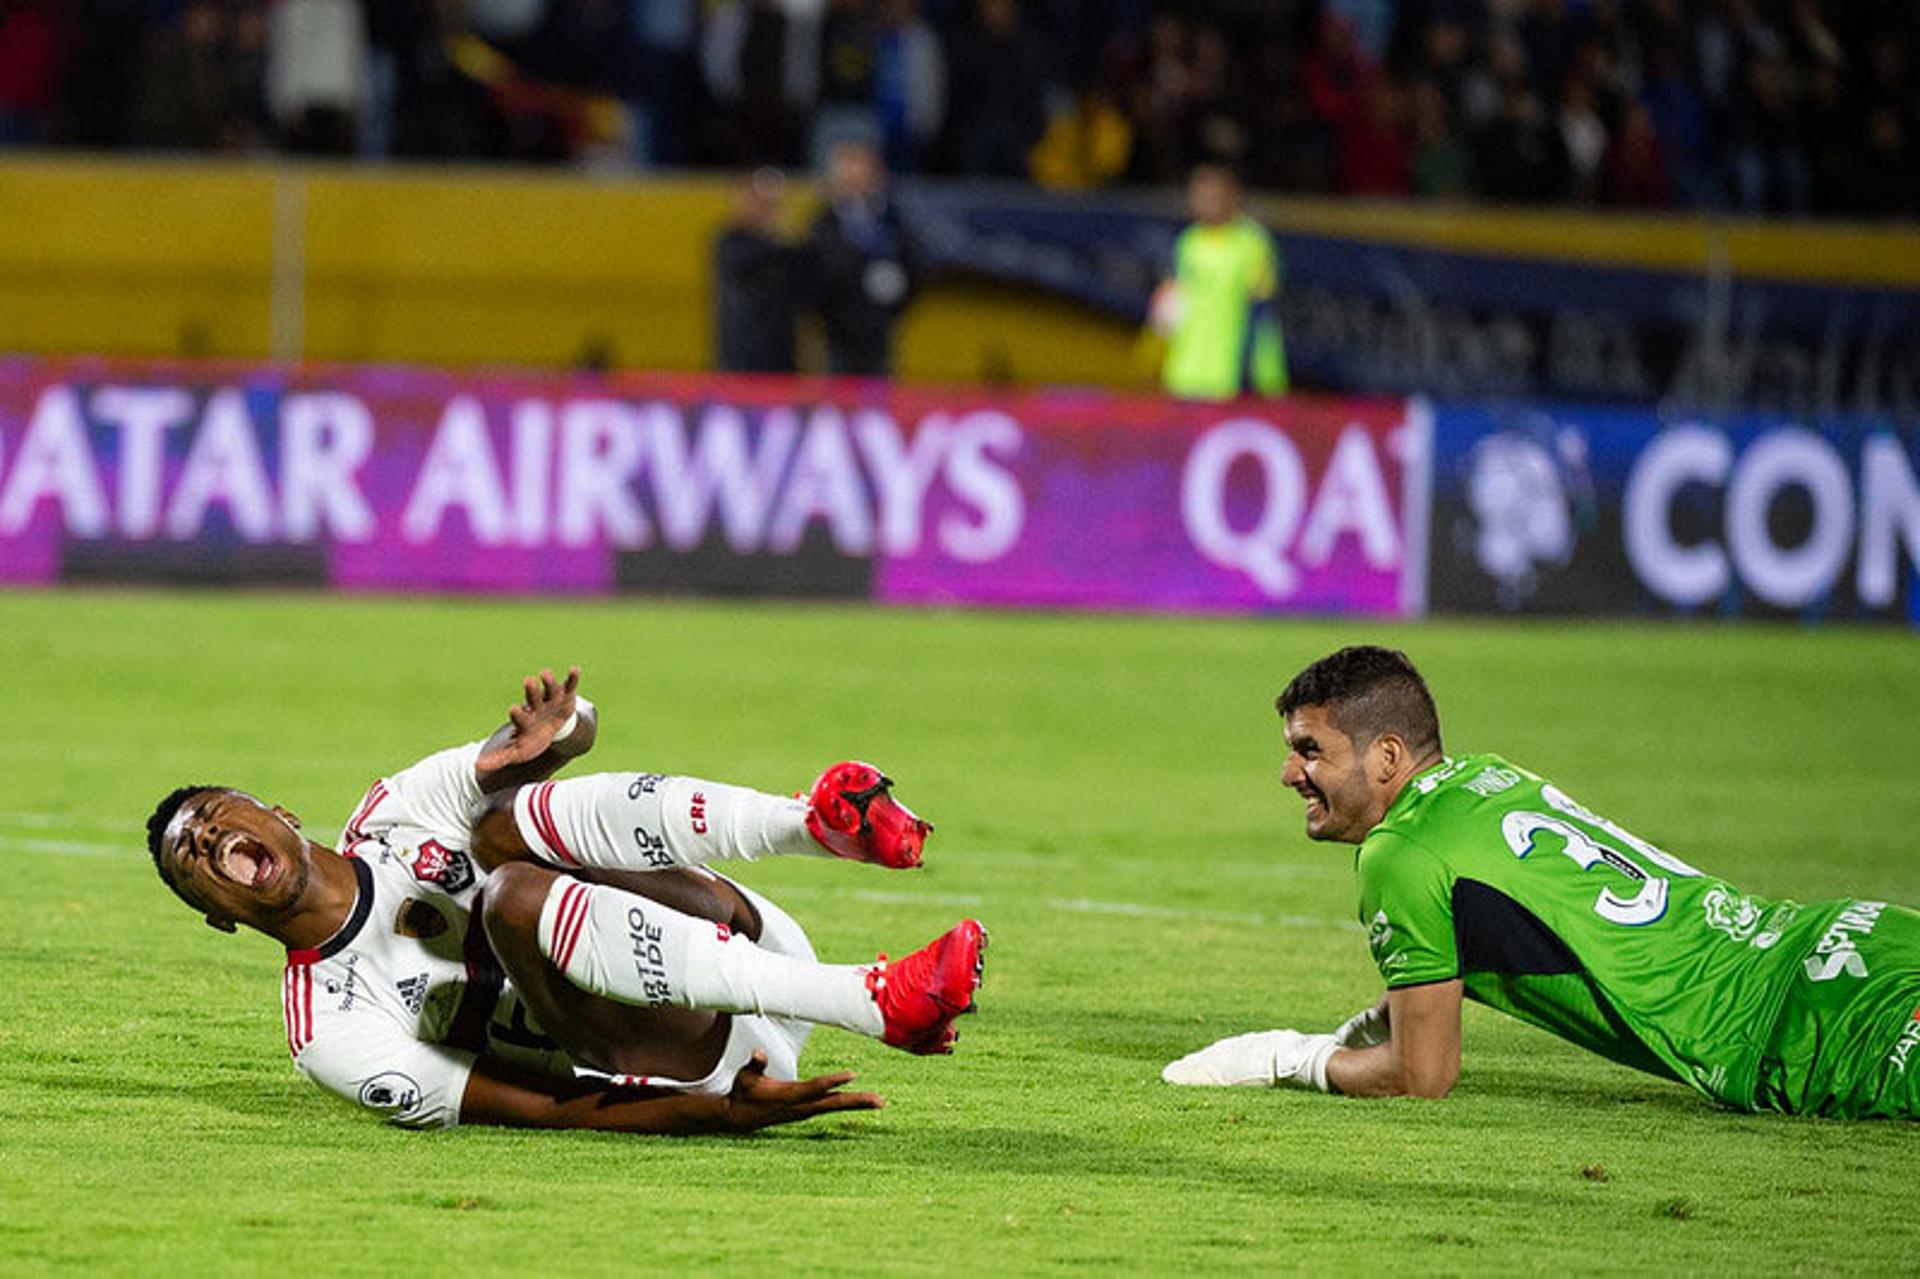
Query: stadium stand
point(1785, 107)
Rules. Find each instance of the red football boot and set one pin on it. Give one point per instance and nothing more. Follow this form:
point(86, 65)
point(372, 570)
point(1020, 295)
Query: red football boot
point(920, 994)
point(853, 814)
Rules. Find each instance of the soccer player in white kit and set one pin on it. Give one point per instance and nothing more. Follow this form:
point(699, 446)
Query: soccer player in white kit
point(489, 946)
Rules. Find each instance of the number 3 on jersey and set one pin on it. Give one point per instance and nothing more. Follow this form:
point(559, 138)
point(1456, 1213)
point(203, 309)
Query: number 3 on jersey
point(1521, 829)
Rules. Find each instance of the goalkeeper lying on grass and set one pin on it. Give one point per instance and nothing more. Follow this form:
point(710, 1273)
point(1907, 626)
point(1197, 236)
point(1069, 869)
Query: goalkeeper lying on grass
point(1479, 880)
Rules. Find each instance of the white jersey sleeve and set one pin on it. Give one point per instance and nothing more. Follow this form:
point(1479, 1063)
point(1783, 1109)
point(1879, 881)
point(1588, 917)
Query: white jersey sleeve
point(439, 795)
point(411, 1083)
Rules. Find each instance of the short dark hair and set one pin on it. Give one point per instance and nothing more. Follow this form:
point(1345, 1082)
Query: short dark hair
point(157, 824)
point(1368, 690)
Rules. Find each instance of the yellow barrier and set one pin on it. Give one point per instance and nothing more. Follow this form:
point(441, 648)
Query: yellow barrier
point(468, 266)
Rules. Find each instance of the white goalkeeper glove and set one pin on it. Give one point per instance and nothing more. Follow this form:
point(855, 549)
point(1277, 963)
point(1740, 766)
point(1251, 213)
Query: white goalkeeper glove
point(1266, 1058)
point(1364, 1029)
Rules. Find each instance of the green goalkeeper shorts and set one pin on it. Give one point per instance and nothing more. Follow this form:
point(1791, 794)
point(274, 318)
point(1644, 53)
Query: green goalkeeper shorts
point(1847, 1043)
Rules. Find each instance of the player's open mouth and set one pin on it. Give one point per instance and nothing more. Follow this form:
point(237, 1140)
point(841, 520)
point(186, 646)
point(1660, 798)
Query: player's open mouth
point(245, 862)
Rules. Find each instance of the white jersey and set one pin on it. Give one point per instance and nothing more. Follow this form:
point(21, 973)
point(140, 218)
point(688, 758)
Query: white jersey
point(393, 1010)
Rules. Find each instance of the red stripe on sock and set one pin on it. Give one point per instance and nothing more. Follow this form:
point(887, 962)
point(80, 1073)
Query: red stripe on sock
point(562, 921)
point(573, 911)
point(540, 808)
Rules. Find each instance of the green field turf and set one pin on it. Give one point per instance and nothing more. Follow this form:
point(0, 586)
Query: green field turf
point(1107, 799)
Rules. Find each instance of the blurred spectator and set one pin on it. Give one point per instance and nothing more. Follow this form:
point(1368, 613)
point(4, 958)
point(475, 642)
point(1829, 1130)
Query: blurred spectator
point(1086, 145)
point(1888, 173)
point(1584, 137)
point(1218, 102)
point(1682, 127)
point(1371, 22)
point(847, 50)
point(655, 76)
point(756, 281)
point(760, 65)
point(33, 51)
point(1159, 99)
point(1772, 106)
point(1635, 169)
point(192, 96)
point(103, 70)
point(1519, 156)
point(1373, 150)
point(1442, 167)
point(1339, 79)
point(420, 104)
point(861, 262)
point(1767, 162)
point(881, 75)
point(999, 79)
point(1218, 310)
point(316, 73)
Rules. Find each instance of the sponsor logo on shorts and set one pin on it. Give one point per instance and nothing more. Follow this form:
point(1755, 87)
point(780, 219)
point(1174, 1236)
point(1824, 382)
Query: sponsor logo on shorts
point(391, 1090)
point(649, 958)
point(1838, 951)
point(652, 848)
point(645, 784)
point(1903, 1047)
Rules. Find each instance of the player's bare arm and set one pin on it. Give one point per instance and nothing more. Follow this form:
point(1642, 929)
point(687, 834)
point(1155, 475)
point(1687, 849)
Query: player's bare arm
point(551, 725)
point(497, 1093)
point(1421, 1057)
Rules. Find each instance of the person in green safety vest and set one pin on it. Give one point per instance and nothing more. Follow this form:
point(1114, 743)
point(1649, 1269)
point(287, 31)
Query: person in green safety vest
point(1217, 312)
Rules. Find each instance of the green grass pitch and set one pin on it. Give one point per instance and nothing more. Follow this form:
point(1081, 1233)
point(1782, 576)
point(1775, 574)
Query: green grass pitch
point(1107, 798)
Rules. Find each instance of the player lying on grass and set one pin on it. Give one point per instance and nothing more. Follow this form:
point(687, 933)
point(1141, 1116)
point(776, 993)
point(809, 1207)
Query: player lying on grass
point(1480, 880)
point(490, 947)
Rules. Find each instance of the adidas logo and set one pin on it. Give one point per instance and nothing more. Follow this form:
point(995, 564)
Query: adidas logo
point(413, 991)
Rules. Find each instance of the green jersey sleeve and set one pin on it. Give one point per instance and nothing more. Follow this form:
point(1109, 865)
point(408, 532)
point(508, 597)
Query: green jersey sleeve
point(1406, 906)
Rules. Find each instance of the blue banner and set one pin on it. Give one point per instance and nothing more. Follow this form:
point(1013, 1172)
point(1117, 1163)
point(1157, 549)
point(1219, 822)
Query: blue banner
point(1597, 510)
point(1378, 315)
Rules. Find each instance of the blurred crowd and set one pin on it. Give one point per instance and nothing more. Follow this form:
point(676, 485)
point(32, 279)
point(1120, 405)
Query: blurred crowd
point(1795, 107)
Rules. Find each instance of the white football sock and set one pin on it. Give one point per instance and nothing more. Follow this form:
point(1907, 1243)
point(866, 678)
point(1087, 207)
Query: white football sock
point(627, 947)
point(643, 821)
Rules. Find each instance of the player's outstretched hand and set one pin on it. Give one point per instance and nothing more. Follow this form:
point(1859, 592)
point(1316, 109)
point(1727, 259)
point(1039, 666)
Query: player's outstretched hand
point(1265, 1058)
point(536, 720)
point(759, 1102)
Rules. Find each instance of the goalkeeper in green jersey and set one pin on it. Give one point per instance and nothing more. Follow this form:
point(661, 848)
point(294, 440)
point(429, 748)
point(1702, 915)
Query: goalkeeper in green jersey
point(1219, 311)
point(1480, 880)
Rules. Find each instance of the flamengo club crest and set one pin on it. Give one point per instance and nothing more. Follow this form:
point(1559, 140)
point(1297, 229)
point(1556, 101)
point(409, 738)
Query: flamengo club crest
point(448, 868)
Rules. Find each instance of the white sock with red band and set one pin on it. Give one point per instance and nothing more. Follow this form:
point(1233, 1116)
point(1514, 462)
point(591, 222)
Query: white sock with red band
point(643, 821)
point(627, 947)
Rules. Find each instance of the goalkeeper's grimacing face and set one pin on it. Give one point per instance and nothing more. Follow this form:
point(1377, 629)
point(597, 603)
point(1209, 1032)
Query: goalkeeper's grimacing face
point(1344, 788)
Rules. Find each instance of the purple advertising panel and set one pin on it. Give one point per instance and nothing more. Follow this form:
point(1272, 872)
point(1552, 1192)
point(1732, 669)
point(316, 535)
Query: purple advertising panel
point(403, 479)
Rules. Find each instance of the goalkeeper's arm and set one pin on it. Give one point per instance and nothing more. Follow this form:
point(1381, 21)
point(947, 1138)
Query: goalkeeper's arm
point(1408, 1045)
point(1421, 1056)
